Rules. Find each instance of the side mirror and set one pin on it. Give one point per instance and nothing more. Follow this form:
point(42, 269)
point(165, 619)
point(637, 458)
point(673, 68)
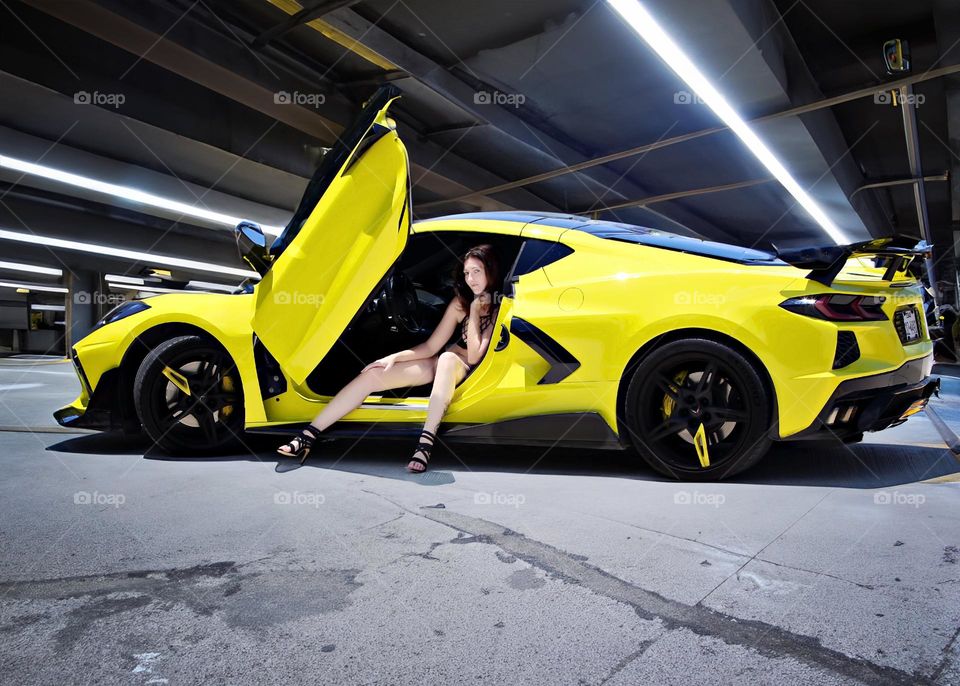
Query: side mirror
point(252, 246)
point(896, 56)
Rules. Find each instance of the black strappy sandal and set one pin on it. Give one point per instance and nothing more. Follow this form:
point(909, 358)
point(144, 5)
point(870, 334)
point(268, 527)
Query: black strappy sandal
point(425, 449)
point(299, 446)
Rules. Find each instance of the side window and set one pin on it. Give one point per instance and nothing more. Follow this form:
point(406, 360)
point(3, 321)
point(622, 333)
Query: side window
point(430, 257)
point(534, 254)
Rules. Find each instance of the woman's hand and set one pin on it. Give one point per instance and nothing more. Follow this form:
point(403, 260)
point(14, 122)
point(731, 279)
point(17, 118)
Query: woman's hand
point(385, 362)
point(480, 303)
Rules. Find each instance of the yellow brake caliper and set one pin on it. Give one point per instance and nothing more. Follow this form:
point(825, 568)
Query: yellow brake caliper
point(177, 379)
point(227, 385)
point(668, 403)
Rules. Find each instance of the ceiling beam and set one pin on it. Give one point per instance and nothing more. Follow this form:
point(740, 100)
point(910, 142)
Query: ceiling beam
point(526, 139)
point(153, 48)
point(820, 104)
point(162, 50)
point(306, 15)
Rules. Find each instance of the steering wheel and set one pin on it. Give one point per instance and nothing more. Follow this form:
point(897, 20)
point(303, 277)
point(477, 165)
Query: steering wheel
point(401, 307)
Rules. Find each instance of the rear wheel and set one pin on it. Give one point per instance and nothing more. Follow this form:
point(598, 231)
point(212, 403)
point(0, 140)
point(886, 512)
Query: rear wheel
point(188, 396)
point(697, 410)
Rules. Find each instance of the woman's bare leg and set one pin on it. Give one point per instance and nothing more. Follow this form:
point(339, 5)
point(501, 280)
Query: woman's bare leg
point(450, 371)
point(412, 373)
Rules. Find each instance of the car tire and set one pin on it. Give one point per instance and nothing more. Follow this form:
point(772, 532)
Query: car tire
point(683, 385)
point(208, 419)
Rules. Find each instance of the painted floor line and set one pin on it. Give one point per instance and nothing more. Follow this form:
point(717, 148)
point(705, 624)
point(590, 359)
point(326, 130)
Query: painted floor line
point(949, 437)
point(18, 386)
point(25, 371)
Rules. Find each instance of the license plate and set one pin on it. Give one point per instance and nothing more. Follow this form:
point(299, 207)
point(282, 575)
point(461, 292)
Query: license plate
point(911, 331)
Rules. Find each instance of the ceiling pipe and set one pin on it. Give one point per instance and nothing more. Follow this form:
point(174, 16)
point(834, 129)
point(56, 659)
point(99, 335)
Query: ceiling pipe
point(908, 109)
point(678, 195)
point(945, 176)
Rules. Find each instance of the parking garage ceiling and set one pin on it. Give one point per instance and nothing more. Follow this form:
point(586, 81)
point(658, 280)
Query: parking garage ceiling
point(228, 105)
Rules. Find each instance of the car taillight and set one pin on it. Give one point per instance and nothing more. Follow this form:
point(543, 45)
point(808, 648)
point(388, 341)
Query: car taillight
point(838, 307)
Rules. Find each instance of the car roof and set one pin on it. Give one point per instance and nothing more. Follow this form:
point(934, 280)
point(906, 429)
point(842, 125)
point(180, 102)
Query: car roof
point(628, 233)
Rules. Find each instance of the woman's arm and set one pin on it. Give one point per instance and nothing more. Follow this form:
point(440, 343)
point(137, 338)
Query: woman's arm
point(440, 335)
point(477, 343)
point(429, 347)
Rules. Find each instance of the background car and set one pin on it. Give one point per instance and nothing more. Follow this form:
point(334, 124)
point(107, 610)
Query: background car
point(697, 355)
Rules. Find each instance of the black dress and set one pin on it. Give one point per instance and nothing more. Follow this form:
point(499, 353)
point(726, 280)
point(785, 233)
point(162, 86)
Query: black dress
point(486, 321)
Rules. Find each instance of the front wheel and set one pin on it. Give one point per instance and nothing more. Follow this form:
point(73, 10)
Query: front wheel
point(697, 410)
point(188, 396)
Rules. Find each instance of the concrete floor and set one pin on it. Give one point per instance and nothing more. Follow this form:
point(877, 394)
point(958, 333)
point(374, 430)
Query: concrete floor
point(826, 563)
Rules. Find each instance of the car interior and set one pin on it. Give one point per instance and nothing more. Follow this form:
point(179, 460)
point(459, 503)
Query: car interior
point(406, 306)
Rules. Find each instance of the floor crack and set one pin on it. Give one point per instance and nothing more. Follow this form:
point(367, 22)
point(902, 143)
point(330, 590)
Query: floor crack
point(769, 640)
point(617, 668)
point(756, 554)
point(663, 533)
point(868, 587)
point(946, 656)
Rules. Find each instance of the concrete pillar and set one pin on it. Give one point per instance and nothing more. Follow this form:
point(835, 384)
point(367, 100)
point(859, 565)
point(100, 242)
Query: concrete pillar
point(82, 304)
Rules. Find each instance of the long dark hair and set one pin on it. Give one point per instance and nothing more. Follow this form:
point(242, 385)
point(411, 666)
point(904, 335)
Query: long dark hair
point(487, 255)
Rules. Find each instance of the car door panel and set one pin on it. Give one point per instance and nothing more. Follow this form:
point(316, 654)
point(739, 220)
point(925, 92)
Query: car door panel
point(343, 250)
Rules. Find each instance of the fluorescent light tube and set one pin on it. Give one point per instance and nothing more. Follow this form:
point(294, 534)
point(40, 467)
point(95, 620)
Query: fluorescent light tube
point(126, 193)
point(124, 279)
point(210, 286)
point(33, 269)
point(95, 249)
point(145, 289)
point(644, 24)
point(34, 287)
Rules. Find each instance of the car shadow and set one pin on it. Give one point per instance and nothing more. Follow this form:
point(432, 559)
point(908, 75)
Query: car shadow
point(863, 465)
point(807, 463)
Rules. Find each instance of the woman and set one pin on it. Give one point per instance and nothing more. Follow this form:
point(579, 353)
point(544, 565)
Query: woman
point(474, 306)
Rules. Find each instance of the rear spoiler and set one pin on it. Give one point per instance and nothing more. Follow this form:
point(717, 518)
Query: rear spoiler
point(826, 262)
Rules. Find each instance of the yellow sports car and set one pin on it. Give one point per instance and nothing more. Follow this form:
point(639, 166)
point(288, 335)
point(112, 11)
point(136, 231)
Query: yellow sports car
point(697, 355)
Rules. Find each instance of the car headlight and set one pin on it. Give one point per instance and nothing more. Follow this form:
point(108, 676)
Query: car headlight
point(120, 311)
